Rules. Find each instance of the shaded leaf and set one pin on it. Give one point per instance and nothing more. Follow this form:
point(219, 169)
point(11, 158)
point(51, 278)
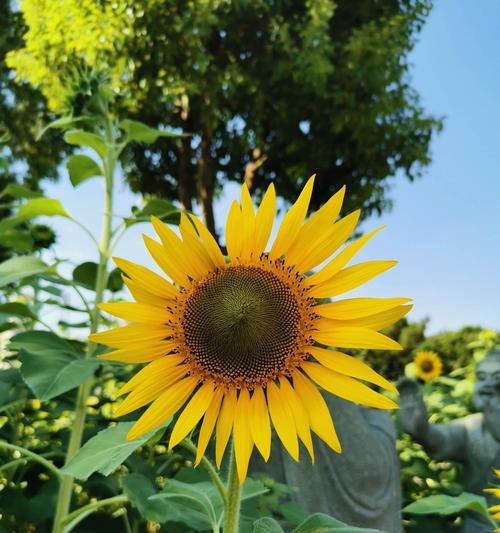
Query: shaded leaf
point(82, 168)
point(19, 191)
point(17, 309)
point(61, 123)
point(17, 239)
point(11, 386)
point(267, 525)
point(322, 523)
point(442, 504)
point(105, 451)
point(85, 274)
point(163, 209)
point(49, 373)
point(137, 131)
point(20, 267)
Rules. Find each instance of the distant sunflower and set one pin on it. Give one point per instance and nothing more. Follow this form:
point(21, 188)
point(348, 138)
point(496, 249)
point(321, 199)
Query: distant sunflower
point(242, 343)
point(495, 509)
point(429, 365)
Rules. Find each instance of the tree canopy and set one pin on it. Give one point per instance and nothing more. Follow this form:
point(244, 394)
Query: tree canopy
point(268, 91)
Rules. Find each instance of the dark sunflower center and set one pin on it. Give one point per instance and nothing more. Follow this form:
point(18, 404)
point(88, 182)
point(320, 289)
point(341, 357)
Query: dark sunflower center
point(242, 324)
point(427, 366)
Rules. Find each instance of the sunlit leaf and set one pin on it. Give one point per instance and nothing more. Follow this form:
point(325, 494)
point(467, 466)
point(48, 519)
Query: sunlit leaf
point(15, 190)
point(137, 131)
point(36, 207)
point(20, 267)
point(61, 123)
point(82, 168)
point(86, 139)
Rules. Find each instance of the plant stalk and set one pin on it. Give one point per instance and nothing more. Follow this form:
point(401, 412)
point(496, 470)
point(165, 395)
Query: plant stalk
point(233, 502)
point(66, 485)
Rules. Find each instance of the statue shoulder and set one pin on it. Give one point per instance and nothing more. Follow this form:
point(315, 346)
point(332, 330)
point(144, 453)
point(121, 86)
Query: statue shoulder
point(470, 422)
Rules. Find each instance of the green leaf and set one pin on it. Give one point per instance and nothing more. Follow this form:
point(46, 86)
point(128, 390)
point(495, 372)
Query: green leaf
point(267, 525)
point(20, 191)
point(17, 309)
point(192, 495)
point(50, 373)
point(34, 341)
point(17, 239)
point(61, 123)
point(82, 168)
point(322, 523)
point(105, 451)
point(443, 504)
point(11, 386)
point(252, 488)
point(20, 267)
point(115, 280)
point(85, 275)
point(137, 131)
point(37, 207)
point(163, 209)
point(86, 139)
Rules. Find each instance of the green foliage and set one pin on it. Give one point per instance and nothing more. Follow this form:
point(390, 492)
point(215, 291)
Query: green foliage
point(442, 504)
point(20, 267)
point(81, 168)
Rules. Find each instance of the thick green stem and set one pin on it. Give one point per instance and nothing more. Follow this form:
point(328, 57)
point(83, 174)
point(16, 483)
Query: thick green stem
point(66, 486)
point(233, 503)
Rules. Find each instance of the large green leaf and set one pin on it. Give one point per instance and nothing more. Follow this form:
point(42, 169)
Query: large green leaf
point(322, 523)
point(194, 496)
point(267, 525)
point(88, 140)
point(137, 131)
point(17, 309)
point(443, 504)
point(82, 168)
point(20, 267)
point(105, 452)
point(36, 207)
point(15, 190)
point(34, 341)
point(50, 373)
point(61, 123)
point(85, 275)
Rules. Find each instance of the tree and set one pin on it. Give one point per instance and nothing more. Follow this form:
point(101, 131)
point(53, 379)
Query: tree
point(269, 91)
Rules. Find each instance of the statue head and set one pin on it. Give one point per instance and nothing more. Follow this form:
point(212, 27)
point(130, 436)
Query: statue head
point(487, 389)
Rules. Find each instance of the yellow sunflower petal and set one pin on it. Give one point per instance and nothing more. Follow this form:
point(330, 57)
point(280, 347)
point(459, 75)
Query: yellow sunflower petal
point(210, 243)
point(264, 221)
point(292, 222)
point(260, 425)
point(350, 278)
point(378, 321)
point(242, 437)
point(318, 226)
point(340, 260)
point(282, 419)
point(248, 223)
point(320, 250)
point(194, 246)
point(352, 308)
point(140, 353)
point(351, 337)
point(141, 295)
point(299, 413)
point(208, 424)
point(165, 262)
point(160, 366)
point(166, 405)
point(149, 390)
point(122, 337)
point(234, 238)
point(147, 279)
point(346, 387)
point(350, 366)
point(137, 312)
point(224, 425)
point(320, 419)
point(194, 410)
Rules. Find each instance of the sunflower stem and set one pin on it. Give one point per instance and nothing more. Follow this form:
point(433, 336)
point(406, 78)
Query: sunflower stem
point(75, 440)
point(233, 503)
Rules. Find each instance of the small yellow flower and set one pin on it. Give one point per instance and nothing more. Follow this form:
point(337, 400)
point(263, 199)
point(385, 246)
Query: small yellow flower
point(428, 365)
point(242, 344)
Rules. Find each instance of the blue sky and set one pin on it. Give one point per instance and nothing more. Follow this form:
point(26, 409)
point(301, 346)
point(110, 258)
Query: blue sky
point(445, 228)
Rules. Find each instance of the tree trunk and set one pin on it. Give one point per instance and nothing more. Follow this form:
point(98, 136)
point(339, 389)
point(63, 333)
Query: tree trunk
point(206, 184)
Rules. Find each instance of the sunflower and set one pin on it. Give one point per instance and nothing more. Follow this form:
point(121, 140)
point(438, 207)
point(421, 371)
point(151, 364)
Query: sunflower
point(428, 365)
point(243, 343)
point(495, 509)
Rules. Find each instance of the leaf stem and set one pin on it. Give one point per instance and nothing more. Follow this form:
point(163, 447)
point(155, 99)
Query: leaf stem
point(209, 467)
point(74, 518)
point(233, 490)
point(33, 456)
point(66, 487)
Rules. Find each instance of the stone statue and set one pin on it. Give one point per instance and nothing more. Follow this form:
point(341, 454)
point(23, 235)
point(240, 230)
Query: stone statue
point(360, 486)
point(473, 440)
